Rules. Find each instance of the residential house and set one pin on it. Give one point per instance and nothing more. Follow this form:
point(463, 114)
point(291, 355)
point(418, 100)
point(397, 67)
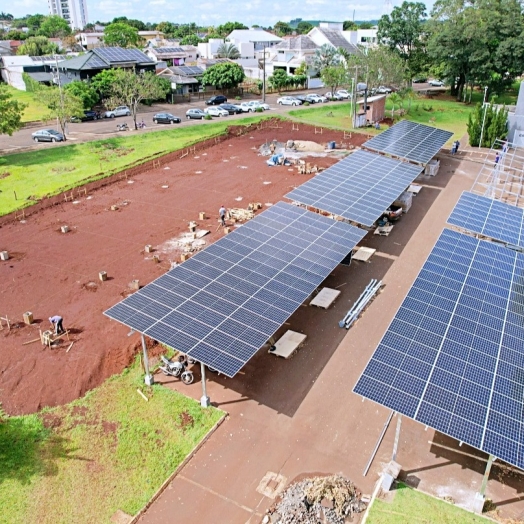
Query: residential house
point(206, 63)
point(184, 79)
point(362, 37)
point(40, 68)
point(248, 41)
point(290, 54)
point(90, 40)
point(331, 33)
point(210, 49)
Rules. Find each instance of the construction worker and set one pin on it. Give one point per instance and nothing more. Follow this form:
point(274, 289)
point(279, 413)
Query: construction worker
point(222, 212)
point(57, 324)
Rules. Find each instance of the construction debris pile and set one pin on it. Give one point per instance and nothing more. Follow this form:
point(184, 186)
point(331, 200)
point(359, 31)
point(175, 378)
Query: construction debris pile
point(331, 500)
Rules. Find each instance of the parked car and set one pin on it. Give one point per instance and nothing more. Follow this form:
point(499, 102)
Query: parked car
point(302, 98)
point(88, 115)
point(48, 135)
point(383, 90)
point(333, 96)
point(119, 111)
point(257, 103)
point(313, 98)
point(166, 118)
point(392, 213)
point(195, 113)
point(436, 83)
point(344, 94)
point(420, 80)
point(216, 111)
point(288, 101)
point(216, 100)
point(232, 109)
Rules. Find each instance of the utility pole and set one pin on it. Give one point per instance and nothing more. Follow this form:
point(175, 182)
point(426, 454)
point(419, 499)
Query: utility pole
point(58, 81)
point(264, 76)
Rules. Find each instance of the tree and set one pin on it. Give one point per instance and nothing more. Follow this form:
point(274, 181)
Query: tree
point(226, 50)
point(365, 25)
point(325, 56)
point(84, 91)
point(395, 101)
point(33, 22)
point(402, 32)
point(477, 43)
point(16, 35)
point(122, 35)
point(10, 113)
point(62, 105)
point(349, 25)
point(279, 79)
point(224, 75)
point(103, 81)
point(225, 29)
point(37, 46)
point(283, 29)
point(130, 89)
point(304, 28)
point(494, 121)
point(137, 24)
point(190, 40)
point(54, 26)
point(334, 76)
point(167, 28)
point(6, 16)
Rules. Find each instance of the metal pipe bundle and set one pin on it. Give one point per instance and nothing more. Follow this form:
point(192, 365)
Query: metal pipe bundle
point(361, 303)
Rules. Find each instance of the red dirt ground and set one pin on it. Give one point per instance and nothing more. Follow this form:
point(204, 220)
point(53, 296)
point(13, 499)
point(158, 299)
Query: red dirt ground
point(54, 273)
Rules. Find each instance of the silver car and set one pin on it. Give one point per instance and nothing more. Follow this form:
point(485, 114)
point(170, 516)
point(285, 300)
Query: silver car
point(47, 135)
point(119, 111)
point(289, 101)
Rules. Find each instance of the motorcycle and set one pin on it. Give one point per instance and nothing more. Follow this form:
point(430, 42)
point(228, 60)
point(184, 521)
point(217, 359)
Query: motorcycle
point(122, 127)
point(141, 125)
point(177, 369)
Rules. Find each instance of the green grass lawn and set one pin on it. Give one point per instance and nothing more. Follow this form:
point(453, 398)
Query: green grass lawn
point(110, 450)
point(36, 174)
point(411, 506)
point(337, 116)
point(34, 111)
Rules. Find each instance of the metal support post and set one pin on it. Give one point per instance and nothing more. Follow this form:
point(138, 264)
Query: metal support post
point(264, 77)
point(148, 378)
point(486, 475)
point(204, 401)
point(397, 437)
point(484, 119)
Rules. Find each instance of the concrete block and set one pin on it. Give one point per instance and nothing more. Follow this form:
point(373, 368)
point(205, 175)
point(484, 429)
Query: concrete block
point(64, 229)
point(4, 255)
point(135, 284)
point(227, 230)
point(202, 215)
point(28, 317)
point(102, 276)
point(478, 503)
point(156, 259)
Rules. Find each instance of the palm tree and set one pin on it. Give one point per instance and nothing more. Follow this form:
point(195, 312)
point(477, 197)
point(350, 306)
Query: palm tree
point(395, 100)
point(226, 50)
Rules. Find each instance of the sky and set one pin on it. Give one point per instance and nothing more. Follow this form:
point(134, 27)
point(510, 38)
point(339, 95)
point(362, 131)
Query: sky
point(212, 13)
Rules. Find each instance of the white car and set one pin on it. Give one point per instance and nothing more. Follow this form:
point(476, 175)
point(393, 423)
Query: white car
point(333, 96)
point(383, 90)
point(119, 111)
point(288, 101)
point(216, 111)
point(343, 93)
point(316, 98)
point(436, 83)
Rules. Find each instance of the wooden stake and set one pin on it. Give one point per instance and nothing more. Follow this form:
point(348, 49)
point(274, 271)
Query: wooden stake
point(70, 346)
point(31, 341)
point(142, 395)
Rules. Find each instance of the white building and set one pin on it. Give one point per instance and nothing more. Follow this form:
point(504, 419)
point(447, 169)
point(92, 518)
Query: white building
point(90, 40)
point(210, 49)
point(248, 41)
point(331, 33)
point(362, 37)
point(74, 12)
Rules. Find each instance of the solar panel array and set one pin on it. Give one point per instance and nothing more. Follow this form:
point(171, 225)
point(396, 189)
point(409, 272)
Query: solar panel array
point(409, 140)
point(165, 50)
point(489, 217)
point(188, 70)
point(358, 188)
point(453, 357)
point(224, 303)
point(118, 54)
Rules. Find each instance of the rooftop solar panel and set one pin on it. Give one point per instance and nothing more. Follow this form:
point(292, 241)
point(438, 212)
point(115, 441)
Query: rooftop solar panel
point(358, 188)
point(164, 50)
point(118, 54)
point(489, 217)
point(453, 357)
point(409, 140)
point(223, 304)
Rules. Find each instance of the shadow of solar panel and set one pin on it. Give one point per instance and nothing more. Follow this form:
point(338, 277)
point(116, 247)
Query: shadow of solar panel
point(452, 365)
point(409, 140)
point(488, 217)
point(241, 292)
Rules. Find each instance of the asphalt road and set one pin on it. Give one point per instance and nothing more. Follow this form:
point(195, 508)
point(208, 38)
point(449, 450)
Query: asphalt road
point(94, 130)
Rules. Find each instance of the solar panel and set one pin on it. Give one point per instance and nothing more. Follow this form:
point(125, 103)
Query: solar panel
point(164, 50)
point(188, 70)
point(453, 357)
point(410, 140)
point(118, 54)
point(224, 303)
point(488, 217)
point(359, 188)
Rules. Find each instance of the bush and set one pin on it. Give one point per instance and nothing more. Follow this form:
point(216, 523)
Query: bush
point(306, 103)
point(259, 110)
point(238, 97)
point(208, 117)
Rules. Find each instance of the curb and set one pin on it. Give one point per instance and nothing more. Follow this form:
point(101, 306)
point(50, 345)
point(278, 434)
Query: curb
point(171, 477)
